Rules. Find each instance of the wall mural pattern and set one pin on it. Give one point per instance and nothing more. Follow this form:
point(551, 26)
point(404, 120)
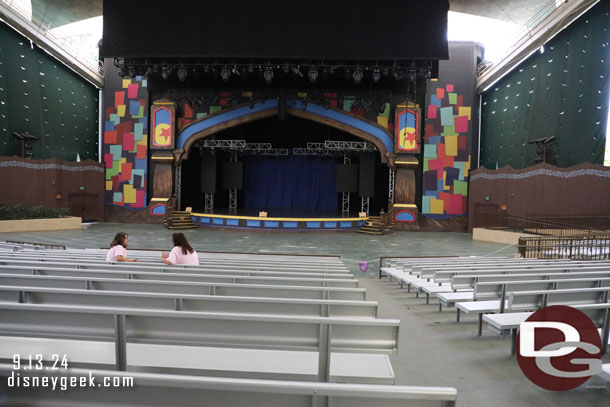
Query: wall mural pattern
point(446, 153)
point(125, 148)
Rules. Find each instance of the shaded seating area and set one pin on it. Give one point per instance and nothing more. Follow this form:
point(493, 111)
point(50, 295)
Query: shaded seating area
point(291, 329)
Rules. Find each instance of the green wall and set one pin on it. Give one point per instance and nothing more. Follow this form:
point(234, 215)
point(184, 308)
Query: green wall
point(41, 96)
point(562, 92)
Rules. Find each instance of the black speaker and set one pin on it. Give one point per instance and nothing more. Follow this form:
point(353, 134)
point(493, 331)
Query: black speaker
point(347, 178)
point(232, 176)
point(366, 180)
point(208, 173)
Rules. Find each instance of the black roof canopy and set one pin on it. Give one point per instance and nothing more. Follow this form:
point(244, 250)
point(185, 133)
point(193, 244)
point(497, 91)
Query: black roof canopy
point(279, 29)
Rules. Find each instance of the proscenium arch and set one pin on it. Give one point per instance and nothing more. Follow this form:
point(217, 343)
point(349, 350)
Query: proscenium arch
point(339, 119)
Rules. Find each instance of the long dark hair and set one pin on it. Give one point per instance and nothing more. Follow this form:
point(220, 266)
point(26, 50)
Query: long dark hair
point(119, 239)
point(180, 240)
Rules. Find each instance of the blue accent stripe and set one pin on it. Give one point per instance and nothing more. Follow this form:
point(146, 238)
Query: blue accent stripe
point(232, 222)
point(218, 221)
point(223, 118)
point(313, 225)
point(253, 223)
point(271, 224)
point(204, 220)
point(346, 119)
point(290, 225)
point(346, 224)
point(330, 225)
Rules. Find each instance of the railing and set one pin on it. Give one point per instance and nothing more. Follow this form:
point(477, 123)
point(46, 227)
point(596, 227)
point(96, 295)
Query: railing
point(591, 247)
point(580, 221)
point(72, 45)
point(521, 33)
point(546, 225)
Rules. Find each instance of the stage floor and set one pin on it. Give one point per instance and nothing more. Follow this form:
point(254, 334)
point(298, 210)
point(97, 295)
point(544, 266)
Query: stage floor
point(278, 219)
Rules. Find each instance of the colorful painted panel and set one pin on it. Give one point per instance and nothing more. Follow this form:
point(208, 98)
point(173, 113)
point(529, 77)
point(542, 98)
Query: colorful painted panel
point(405, 216)
point(446, 153)
point(125, 146)
point(407, 130)
point(162, 127)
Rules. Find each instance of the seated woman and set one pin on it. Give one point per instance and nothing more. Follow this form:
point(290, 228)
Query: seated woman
point(118, 248)
point(182, 253)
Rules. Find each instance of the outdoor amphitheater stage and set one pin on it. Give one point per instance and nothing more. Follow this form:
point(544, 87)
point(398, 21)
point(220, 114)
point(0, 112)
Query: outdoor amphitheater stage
point(278, 219)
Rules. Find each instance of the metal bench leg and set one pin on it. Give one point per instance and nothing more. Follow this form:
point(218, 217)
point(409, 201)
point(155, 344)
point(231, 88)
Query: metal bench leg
point(513, 345)
point(409, 288)
point(458, 315)
point(440, 306)
point(427, 298)
point(417, 293)
point(480, 324)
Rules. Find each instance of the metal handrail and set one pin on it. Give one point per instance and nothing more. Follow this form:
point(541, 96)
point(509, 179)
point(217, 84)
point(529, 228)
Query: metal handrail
point(46, 29)
point(522, 32)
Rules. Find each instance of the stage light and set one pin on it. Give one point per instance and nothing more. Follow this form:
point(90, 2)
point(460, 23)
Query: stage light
point(166, 72)
point(149, 71)
point(225, 74)
point(250, 68)
point(382, 108)
point(357, 76)
point(297, 71)
point(412, 75)
point(268, 74)
point(331, 70)
point(376, 75)
point(313, 75)
point(122, 72)
point(386, 71)
point(395, 74)
point(286, 69)
point(132, 71)
point(182, 73)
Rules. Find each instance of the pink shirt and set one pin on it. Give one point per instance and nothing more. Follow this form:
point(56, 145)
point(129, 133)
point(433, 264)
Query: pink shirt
point(176, 257)
point(115, 251)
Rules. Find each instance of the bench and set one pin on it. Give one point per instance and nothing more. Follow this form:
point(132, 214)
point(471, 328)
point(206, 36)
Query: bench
point(187, 331)
point(185, 287)
point(585, 290)
point(157, 264)
point(501, 323)
point(463, 285)
point(156, 390)
point(188, 302)
point(211, 278)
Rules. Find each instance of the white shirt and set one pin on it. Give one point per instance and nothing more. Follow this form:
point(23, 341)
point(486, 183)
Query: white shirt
point(115, 251)
point(176, 256)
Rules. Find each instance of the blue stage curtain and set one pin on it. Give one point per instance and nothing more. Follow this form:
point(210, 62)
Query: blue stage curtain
point(292, 182)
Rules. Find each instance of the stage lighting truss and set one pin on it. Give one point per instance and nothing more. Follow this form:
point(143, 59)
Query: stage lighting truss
point(224, 69)
point(313, 151)
point(274, 152)
point(349, 145)
point(221, 144)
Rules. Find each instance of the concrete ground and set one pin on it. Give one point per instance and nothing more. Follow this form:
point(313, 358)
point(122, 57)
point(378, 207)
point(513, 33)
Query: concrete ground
point(434, 350)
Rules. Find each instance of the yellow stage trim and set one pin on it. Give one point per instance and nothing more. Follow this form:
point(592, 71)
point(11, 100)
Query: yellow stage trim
point(405, 206)
point(208, 215)
point(159, 199)
point(162, 158)
point(407, 162)
point(162, 103)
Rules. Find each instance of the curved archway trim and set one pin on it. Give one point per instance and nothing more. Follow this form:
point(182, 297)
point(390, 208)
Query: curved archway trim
point(353, 121)
point(223, 118)
point(339, 119)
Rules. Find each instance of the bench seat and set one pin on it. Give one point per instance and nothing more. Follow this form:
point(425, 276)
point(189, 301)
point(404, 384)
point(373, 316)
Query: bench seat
point(209, 361)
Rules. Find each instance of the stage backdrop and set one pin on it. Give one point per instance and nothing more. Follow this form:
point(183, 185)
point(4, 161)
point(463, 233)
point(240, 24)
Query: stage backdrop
point(290, 183)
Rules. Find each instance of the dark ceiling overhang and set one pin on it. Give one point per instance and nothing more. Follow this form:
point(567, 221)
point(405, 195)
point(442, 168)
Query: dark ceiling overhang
point(352, 30)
